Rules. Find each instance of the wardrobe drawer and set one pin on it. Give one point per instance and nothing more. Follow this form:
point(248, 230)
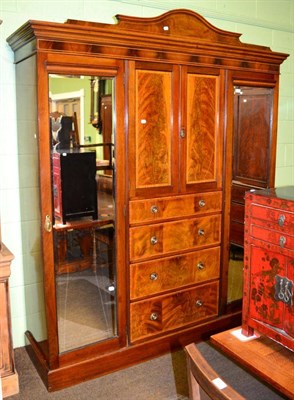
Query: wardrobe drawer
point(273, 237)
point(174, 207)
point(272, 218)
point(164, 313)
point(170, 237)
point(238, 193)
point(237, 212)
point(237, 233)
point(153, 277)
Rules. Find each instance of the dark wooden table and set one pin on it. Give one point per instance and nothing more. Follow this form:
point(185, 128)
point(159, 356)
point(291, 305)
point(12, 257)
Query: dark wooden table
point(261, 356)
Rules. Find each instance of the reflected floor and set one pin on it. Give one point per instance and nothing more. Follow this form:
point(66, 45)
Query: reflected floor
point(86, 308)
point(235, 274)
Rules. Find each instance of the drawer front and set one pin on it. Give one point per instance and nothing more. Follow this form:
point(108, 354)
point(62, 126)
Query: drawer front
point(238, 193)
point(162, 314)
point(237, 212)
point(173, 207)
point(171, 237)
point(153, 277)
point(273, 218)
point(237, 233)
point(273, 237)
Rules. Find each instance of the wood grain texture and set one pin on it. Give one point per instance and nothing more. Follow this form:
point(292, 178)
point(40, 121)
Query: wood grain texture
point(8, 374)
point(190, 44)
point(202, 110)
point(173, 311)
point(263, 357)
point(253, 131)
point(155, 277)
point(153, 128)
point(174, 237)
point(174, 207)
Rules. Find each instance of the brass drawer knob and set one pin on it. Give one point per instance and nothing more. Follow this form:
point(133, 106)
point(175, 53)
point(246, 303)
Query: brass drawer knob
point(154, 209)
point(199, 303)
point(281, 220)
point(200, 266)
point(154, 276)
point(153, 316)
point(153, 240)
point(201, 232)
point(202, 203)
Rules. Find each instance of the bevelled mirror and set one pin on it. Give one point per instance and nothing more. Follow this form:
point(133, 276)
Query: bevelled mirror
point(83, 176)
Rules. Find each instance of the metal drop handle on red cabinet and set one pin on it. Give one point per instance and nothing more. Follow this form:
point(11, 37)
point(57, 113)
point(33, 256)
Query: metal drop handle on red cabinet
point(282, 241)
point(281, 220)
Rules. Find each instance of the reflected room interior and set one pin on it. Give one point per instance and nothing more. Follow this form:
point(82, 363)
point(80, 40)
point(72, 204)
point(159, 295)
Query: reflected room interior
point(83, 175)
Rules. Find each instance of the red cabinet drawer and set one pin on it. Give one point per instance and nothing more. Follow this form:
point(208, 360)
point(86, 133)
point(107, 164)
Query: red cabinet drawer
point(272, 218)
point(274, 237)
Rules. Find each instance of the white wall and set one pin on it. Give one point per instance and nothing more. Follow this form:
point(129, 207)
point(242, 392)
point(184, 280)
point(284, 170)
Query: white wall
point(269, 23)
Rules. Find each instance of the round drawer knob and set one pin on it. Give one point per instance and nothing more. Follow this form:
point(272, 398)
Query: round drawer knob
point(199, 303)
point(202, 203)
point(153, 316)
point(153, 240)
point(154, 276)
point(200, 266)
point(154, 209)
point(201, 232)
point(281, 220)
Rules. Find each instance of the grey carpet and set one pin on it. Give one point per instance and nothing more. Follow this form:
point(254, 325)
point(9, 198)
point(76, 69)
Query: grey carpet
point(163, 378)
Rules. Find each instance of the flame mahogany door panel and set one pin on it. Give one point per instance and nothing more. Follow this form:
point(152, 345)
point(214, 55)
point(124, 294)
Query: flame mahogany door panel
point(153, 101)
point(201, 130)
point(175, 136)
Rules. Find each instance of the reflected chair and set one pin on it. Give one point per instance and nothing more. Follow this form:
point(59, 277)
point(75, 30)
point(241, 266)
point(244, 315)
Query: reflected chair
point(211, 375)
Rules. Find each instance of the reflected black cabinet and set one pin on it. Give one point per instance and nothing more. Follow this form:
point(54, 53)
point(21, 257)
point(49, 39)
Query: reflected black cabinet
point(74, 180)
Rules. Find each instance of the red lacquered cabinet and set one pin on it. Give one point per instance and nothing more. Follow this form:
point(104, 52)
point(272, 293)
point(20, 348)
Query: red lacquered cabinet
point(269, 264)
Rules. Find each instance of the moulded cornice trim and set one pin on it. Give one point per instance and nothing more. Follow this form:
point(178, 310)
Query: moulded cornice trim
point(171, 4)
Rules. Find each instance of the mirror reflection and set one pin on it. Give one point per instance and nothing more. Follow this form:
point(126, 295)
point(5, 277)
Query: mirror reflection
point(83, 171)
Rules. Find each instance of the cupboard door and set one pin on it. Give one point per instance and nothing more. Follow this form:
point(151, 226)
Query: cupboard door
point(153, 152)
point(203, 133)
point(252, 135)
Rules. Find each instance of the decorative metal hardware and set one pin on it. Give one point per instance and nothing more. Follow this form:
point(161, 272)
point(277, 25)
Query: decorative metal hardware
point(201, 232)
point(153, 316)
point(154, 209)
point(199, 303)
point(284, 290)
point(282, 241)
point(202, 203)
point(200, 266)
point(48, 224)
point(182, 133)
point(154, 276)
point(153, 240)
point(281, 220)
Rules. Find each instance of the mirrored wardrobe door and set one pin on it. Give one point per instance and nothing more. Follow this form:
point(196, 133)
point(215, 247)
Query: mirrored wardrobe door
point(83, 176)
point(253, 160)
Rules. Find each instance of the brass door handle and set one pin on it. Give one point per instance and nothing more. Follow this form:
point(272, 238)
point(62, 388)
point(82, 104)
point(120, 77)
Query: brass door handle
point(48, 224)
